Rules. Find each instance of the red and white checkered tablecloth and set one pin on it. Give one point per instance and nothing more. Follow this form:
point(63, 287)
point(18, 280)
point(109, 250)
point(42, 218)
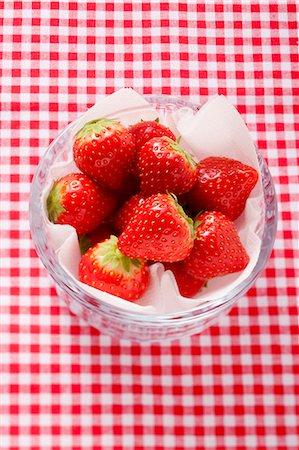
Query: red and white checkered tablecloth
point(65, 385)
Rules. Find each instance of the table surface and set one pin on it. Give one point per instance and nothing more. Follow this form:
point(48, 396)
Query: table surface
point(64, 384)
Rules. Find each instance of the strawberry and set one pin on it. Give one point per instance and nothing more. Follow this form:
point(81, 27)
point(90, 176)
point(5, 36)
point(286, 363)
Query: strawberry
point(144, 131)
point(159, 231)
point(77, 200)
point(104, 149)
point(188, 286)
point(165, 166)
point(123, 216)
point(104, 267)
point(217, 247)
point(104, 231)
point(223, 184)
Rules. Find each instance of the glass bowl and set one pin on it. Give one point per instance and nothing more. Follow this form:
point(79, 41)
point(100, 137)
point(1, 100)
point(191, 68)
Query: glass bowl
point(114, 320)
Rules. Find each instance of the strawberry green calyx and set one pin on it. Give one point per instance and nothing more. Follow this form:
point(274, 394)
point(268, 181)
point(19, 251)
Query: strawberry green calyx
point(109, 256)
point(98, 126)
point(54, 205)
point(183, 214)
point(177, 148)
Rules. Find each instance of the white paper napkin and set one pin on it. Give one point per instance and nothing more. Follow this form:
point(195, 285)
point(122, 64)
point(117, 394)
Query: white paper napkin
point(217, 129)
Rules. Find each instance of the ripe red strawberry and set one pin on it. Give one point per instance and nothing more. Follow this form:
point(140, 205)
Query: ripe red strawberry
point(188, 286)
point(77, 200)
point(104, 267)
point(165, 166)
point(104, 149)
point(143, 132)
point(223, 184)
point(158, 231)
point(123, 216)
point(217, 247)
point(100, 234)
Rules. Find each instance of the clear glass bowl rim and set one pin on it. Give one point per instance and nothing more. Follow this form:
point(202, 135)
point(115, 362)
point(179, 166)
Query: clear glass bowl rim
point(204, 309)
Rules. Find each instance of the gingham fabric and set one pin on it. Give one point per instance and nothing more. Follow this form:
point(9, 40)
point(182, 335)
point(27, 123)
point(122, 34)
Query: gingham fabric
point(67, 386)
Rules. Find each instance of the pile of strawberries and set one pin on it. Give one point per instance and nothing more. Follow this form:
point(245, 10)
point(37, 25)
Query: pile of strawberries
point(141, 198)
